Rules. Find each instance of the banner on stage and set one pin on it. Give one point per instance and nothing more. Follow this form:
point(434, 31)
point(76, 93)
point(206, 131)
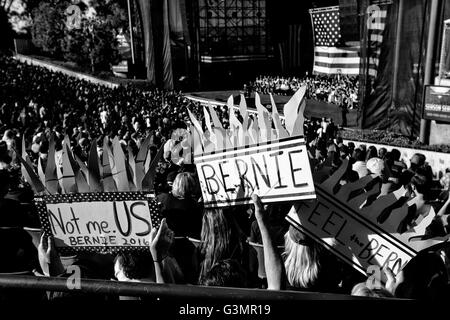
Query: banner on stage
point(99, 222)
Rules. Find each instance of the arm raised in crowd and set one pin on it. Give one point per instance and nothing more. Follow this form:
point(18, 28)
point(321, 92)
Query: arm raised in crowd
point(160, 242)
point(49, 259)
point(272, 260)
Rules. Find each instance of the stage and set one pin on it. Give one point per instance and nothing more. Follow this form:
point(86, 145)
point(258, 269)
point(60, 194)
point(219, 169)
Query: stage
point(314, 108)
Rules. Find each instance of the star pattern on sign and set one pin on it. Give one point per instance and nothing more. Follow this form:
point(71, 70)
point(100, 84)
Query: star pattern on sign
point(326, 28)
point(41, 206)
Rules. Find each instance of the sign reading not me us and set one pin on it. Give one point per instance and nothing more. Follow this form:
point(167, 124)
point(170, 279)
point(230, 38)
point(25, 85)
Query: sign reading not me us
point(277, 171)
point(115, 221)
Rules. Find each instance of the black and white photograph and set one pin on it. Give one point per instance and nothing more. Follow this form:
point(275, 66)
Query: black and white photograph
point(219, 159)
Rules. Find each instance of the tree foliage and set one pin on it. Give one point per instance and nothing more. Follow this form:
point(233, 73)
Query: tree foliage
point(48, 27)
point(93, 45)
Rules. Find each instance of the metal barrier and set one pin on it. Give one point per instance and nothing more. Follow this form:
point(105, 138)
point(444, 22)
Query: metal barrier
point(163, 291)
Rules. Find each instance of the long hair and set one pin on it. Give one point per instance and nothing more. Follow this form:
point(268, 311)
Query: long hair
point(221, 239)
point(301, 262)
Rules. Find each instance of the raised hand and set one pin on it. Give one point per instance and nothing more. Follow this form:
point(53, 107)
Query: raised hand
point(260, 210)
point(160, 241)
point(49, 259)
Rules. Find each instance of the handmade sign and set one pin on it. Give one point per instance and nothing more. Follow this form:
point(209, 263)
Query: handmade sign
point(101, 205)
point(250, 156)
point(360, 227)
point(99, 221)
point(277, 171)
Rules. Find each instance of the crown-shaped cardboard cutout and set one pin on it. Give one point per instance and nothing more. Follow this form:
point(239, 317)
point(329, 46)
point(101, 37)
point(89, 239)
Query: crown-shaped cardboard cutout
point(66, 173)
point(360, 226)
point(215, 138)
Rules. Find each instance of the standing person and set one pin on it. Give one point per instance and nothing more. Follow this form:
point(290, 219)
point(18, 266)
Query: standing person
point(344, 111)
point(104, 117)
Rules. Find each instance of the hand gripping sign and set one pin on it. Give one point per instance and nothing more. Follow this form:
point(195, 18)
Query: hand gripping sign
point(251, 157)
point(100, 222)
point(102, 205)
point(360, 227)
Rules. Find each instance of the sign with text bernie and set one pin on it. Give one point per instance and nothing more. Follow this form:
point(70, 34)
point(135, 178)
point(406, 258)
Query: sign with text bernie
point(277, 171)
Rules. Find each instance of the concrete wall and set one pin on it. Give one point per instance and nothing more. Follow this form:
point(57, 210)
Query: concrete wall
point(439, 133)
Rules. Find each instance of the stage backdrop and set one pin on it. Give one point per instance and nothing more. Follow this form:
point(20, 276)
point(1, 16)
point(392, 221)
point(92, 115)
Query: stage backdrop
point(380, 111)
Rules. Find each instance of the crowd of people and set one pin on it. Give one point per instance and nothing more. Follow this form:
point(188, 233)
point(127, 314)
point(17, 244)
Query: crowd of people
point(248, 246)
point(340, 89)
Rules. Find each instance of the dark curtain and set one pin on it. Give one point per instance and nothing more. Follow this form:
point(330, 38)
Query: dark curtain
point(380, 111)
point(147, 29)
point(290, 49)
point(164, 27)
point(166, 52)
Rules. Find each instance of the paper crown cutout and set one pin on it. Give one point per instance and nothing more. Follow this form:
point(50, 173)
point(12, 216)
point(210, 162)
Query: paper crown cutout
point(390, 216)
point(113, 172)
point(250, 131)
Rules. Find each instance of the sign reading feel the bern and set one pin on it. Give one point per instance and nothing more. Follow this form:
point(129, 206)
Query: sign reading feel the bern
point(361, 227)
point(277, 171)
point(99, 221)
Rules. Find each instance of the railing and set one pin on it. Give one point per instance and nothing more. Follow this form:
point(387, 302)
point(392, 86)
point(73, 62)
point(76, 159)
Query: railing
point(162, 291)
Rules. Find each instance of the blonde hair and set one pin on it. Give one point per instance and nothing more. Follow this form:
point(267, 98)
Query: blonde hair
point(301, 262)
point(184, 186)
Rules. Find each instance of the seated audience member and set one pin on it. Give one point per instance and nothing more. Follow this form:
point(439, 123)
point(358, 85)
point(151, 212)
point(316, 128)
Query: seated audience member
point(134, 267)
point(362, 290)
point(360, 164)
point(11, 211)
point(445, 184)
point(180, 206)
point(223, 239)
point(52, 266)
point(417, 161)
point(225, 273)
point(419, 208)
point(440, 226)
point(309, 266)
point(424, 277)
point(305, 265)
point(371, 153)
point(382, 153)
point(5, 158)
point(376, 168)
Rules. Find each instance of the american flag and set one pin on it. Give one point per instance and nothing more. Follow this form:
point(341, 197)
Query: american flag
point(330, 57)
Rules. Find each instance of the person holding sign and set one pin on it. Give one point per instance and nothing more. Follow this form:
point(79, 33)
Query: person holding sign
point(132, 267)
point(307, 266)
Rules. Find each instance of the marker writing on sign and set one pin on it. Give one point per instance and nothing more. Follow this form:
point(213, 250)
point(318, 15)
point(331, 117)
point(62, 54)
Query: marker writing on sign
point(253, 172)
point(126, 217)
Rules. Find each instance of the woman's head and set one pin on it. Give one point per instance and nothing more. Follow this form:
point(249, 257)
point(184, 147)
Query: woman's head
point(301, 259)
point(184, 186)
point(358, 155)
point(420, 184)
point(371, 152)
point(132, 266)
point(221, 239)
point(225, 273)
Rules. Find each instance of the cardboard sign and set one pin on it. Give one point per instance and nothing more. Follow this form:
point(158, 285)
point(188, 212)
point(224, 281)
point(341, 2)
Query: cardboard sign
point(358, 226)
point(99, 221)
point(277, 171)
